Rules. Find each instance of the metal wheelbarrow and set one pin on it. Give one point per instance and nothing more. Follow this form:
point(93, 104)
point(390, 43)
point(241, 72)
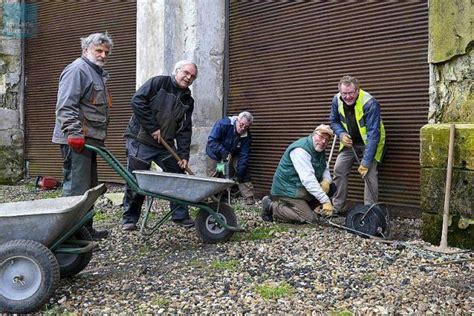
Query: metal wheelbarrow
point(41, 241)
point(215, 222)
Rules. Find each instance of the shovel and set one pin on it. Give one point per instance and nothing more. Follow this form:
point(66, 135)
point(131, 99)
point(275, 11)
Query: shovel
point(174, 154)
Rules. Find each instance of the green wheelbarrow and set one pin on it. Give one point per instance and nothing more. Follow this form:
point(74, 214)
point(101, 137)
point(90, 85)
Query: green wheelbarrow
point(215, 222)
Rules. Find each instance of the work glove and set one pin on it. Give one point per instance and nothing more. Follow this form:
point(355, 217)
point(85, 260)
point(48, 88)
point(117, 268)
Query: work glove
point(346, 140)
point(363, 170)
point(325, 186)
point(220, 167)
point(76, 143)
point(327, 209)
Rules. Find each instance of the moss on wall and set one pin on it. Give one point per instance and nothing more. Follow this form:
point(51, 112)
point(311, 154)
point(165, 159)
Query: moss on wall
point(11, 165)
point(433, 184)
point(450, 28)
point(457, 237)
point(434, 143)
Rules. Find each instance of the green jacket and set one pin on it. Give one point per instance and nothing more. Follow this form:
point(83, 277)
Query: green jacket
point(286, 181)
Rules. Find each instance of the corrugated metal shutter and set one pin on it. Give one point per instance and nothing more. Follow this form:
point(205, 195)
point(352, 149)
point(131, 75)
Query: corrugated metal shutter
point(286, 58)
point(57, 43)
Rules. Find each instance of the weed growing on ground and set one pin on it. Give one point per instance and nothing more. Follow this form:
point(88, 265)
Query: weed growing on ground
point(260, 233)
point(230, 265)
point(275, 290)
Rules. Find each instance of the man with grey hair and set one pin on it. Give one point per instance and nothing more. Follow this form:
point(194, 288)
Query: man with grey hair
point(230, 141)
point(162, 110)
point(301, 181)
point(82, 116)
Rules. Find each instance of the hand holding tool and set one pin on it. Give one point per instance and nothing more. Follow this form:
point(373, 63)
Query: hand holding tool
point(327, 209)
point(363, 170)
point(346, 140)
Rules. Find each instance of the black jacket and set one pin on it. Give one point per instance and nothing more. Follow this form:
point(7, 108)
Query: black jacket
point(161, 104)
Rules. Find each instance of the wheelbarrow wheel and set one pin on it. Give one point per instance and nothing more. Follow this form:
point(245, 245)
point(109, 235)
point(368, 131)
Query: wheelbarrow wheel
point(209, 230)
point(29, 275)
point(71, 264)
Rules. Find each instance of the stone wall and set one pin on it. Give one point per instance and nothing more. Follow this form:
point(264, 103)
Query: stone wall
point(451, 101)
point(11, 129)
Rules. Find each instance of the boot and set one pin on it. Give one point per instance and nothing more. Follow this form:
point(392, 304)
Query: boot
point(97, 234)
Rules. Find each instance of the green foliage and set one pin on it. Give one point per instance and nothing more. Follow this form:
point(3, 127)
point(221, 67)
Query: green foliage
point(230, 265)
point(103, 216)
point(260, 233)
point(51, 194)
point(160, 301)
point(275, 291)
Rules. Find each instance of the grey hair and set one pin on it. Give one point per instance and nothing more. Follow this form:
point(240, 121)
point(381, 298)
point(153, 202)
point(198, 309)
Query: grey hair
point(348, 80)
point(96, 39)
point(247, 116)
point(180, 64)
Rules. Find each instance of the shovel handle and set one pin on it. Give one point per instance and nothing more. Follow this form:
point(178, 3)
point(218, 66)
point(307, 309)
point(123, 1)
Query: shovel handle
point(174, 154)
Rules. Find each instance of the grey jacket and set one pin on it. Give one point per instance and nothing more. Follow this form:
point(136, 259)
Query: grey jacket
point(82, 107)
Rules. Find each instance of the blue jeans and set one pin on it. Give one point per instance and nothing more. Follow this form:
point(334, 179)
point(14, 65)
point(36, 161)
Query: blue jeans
point(139, 157)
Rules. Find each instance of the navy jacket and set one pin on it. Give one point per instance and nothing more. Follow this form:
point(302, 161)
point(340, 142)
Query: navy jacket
point(224, 140)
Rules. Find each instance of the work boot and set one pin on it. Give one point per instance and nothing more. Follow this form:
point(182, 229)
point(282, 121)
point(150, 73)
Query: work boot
point(184, 222)
point(267, 213)
point(129, 226)
point(98, 234)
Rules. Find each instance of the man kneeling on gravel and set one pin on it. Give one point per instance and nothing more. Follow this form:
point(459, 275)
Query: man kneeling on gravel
point(302, 179)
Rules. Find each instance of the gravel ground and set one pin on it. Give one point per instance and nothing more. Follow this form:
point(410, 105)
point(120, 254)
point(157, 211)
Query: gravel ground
point(271, 268)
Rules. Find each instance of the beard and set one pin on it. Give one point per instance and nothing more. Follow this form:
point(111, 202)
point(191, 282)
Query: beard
point(94, 60)
point(319, 148)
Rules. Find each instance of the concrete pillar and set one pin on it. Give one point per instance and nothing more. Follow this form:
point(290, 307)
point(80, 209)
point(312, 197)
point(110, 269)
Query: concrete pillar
point(171, 30)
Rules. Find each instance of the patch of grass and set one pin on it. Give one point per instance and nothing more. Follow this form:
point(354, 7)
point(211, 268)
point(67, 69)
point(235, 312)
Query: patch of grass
point(102, 216)
point(51, 194)
point(260, 233)
point(369, 277)
point(230, 265)
point(275, 291)
point(144, 250)
point(160, 301)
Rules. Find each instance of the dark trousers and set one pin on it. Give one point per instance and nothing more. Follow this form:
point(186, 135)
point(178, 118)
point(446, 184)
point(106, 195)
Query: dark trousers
point(139, 157)
point(79, 171)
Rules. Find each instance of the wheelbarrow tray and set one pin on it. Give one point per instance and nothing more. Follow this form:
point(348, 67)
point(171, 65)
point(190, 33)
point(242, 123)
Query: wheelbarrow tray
point(45, 220)
point(189, 188)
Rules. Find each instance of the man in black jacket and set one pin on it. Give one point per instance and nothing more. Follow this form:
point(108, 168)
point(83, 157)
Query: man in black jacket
point(162, 110)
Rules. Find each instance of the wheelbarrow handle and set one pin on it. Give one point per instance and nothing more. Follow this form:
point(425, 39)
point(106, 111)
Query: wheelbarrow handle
point(174, 154)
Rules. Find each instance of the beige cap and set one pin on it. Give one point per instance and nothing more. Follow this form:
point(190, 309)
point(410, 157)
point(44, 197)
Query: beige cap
point(324, 129)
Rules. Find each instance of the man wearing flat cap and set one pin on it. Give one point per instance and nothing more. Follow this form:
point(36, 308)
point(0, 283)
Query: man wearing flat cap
point(301, 181)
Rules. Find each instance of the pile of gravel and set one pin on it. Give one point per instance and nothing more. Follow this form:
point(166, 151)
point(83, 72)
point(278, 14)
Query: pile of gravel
point(270, 268)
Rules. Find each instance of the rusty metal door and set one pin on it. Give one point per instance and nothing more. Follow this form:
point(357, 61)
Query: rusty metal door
point(61, 24)
point(284, 63)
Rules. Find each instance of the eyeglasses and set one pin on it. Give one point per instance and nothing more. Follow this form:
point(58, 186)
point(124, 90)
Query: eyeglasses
point(188, 74)
point(243, 125)
point(348, 94)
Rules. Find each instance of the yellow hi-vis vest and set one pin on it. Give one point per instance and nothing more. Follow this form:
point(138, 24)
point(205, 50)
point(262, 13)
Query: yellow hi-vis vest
point(363, 98)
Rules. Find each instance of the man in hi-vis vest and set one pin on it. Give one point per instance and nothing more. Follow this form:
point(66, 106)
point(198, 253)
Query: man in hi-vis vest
point(355, 118)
